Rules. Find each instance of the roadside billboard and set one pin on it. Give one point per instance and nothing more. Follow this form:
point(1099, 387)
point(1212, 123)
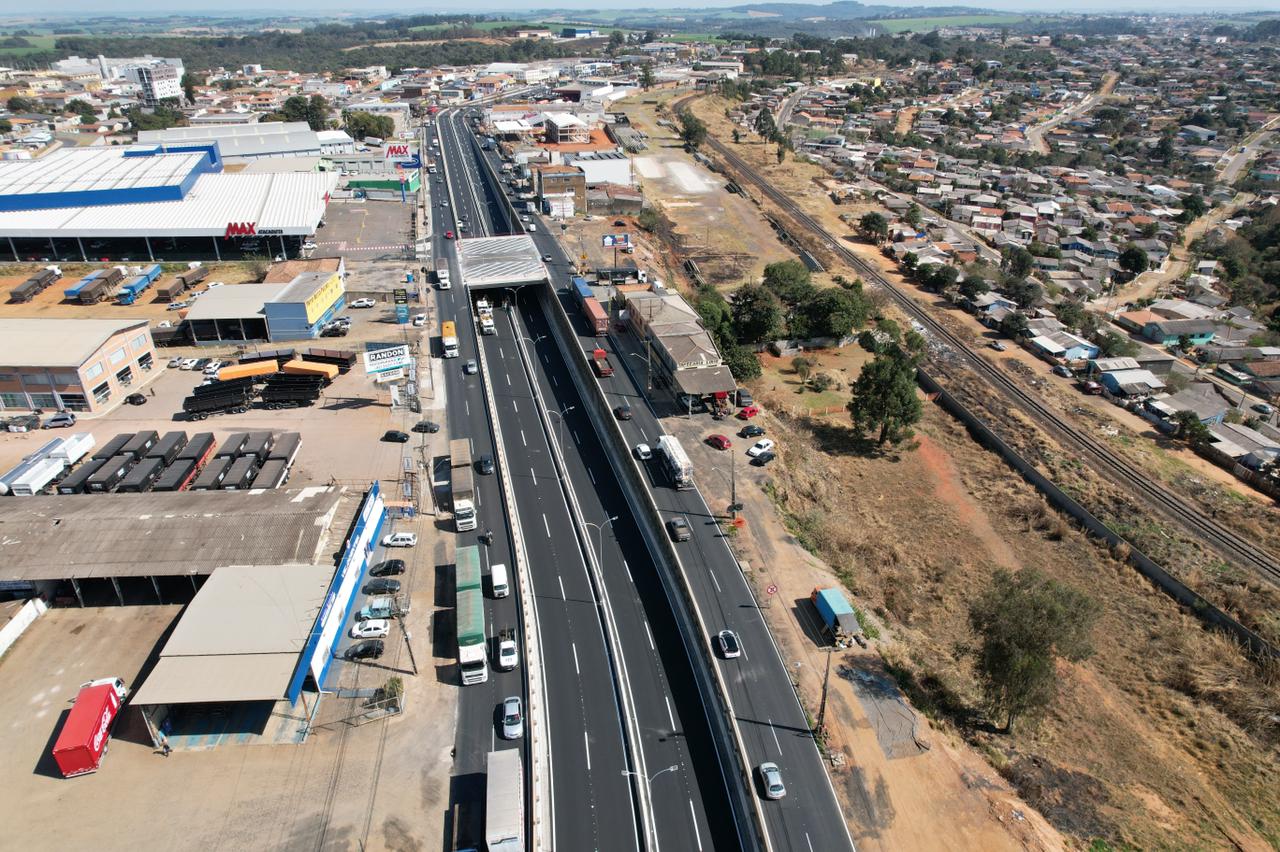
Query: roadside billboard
point(381, 359)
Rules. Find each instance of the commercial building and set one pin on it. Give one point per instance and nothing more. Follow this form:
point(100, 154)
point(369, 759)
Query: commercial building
point(152, 202)
point(684, 357)
point(253, 141)
point(561, 189)
point(296, 310)
point(71, 364)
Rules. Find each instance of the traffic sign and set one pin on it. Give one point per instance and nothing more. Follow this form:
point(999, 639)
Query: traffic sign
point(771, 589)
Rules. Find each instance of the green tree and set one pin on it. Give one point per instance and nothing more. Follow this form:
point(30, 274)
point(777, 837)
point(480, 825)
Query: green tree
point(189, 83)
point(874, 225)
point(1191, 429)
point(317, 115)
point(1112, 344)
point(616, 40)
point(1193, 207)
point(757, 316)
point(788, 280)
point(362, 124)
point(802, 367)
point(782, 153)
point(833, 312)
point(1017, 261)
point(6, 126)
point(646, 76)
point(884, 397)
point(1025, 623)
point(741, 361)
point(912, 216)
point(974, 286)
point(87, 111)
point(1133, 260)
point(1025, 291)
point(1013, 325)
point(21, 104)
point(764, 123)
point(692, 129)
point(737, 136)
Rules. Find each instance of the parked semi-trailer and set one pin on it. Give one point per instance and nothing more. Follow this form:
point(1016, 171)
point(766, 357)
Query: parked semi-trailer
point(142, 476)
point(504, 802)
point(112, 448)
point(214, 472)
point(463, 485)
point(78, 480)
point(200, 447)
point(298, 367)
point(107, 477)
point(82, 743)
point(177, 476)
point(248, 371)
point(38, 477)
point(38, 283)
point(473, 664)
point(343, 359)
point(167, 448)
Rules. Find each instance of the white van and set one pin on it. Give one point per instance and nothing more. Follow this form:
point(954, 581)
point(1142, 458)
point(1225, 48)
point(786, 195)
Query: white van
point(498, 580)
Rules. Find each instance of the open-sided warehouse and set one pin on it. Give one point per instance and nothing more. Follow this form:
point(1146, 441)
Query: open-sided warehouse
point(148, 202)
point(297, 310)
point(72, 364)
point(118, 547)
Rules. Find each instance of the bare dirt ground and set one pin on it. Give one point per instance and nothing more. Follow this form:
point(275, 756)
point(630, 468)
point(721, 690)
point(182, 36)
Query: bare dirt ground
point(1165, 738)
point(724, 233)
point(1139, 749)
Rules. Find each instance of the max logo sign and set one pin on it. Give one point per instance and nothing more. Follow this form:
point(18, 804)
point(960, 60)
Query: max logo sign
point(398, 151)
point(240, 229)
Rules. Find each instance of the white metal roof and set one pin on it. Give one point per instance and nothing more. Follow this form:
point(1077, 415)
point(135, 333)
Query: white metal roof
point(221, 131)
point(234, 301)
point(292, 203)
point(499, 261)
point(240, 637)
point(93, 169)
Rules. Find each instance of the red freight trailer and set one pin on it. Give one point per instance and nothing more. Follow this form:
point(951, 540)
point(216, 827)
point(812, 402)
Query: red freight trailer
point(597, 319)
point(83, 740)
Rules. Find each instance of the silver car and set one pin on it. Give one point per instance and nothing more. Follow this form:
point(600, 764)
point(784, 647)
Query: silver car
point(771, 777)
point(512, 718)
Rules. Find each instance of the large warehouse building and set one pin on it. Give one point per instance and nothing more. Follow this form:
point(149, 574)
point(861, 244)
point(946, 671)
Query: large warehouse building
point(296, 310)
point(151, 202)
point(71, 364)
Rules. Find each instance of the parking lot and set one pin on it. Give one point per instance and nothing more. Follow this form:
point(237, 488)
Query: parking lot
point(382, 785)
point(366, 230)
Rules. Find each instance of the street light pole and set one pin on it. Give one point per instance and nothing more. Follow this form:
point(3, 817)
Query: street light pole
point(648, 783)
point(600, 536)
point(560, 418)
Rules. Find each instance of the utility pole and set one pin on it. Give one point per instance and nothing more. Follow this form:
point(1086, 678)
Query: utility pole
point(822, 706)
point(409, 645)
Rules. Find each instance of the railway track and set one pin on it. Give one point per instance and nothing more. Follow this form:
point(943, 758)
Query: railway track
point(1221, 539)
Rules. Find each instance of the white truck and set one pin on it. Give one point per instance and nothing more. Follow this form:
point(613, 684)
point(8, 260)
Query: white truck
point(484, 311)
point(676, 462)
point(504, 802)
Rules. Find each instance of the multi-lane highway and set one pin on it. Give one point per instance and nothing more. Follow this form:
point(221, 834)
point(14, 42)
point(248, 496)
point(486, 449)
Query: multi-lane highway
point(610, 641)
point(674, 758)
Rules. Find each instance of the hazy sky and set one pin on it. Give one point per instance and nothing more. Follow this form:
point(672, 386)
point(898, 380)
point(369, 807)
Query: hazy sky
point(126, 7)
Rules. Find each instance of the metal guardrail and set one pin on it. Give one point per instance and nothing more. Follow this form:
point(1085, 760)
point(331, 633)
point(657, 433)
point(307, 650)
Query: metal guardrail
point(596, 575)
point(540, 764)
point(687, 611)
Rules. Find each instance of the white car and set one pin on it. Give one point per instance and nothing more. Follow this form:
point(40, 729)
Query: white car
point(643, 452)
point(761, 447)
point(189, 364)
point(373, 628)
point(175, 363)
point(213, 284)
point(771, 776)
point(177, 306)
point(508, 655)
point(400, 539)
point(420, 320)
point(363, 303)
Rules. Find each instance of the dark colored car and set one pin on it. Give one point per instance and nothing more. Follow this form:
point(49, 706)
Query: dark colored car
point(382, 586)
point(136, 399)
point(426, 426)
point(396, 436)
point(764, 458)
point(484, 464)
point(679, 529)
point(622, 412)
point(334, 331)
point(387, 568)
point(745, 397)
point(752, 431)
point(618, 223)
point(370, 649)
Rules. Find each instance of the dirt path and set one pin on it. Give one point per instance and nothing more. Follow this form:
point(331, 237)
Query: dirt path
point(906, 118)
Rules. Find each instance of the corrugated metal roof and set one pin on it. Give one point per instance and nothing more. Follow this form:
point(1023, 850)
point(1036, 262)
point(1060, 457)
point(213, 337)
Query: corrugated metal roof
point(292, 203)
point(234, 301)
point(193, 680)
point(93, 169)
point(56, 342)
point(498, 261)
